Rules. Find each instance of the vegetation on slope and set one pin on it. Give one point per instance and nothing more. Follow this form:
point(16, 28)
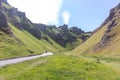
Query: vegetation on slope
point(10, 47)
point(25, 44)
point(64, 35)
point(27, 38)
point(88, 45)
point(19, 37)
point(105, 40)
point(71, 46)
point(35, 44)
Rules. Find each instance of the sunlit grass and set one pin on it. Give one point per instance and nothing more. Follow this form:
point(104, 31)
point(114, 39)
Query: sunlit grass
point(25, 44)
point(88, 45)
point(58, 68)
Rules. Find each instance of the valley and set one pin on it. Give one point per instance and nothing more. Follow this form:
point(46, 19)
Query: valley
point(70, 53)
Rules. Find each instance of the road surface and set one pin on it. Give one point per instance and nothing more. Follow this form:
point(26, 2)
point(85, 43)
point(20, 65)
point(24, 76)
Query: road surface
point(17, 60)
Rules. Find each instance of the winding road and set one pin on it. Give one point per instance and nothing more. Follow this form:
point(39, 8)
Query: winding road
point(17, 60)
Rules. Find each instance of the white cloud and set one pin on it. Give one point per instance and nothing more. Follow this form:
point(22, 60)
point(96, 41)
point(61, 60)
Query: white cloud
point(66, 17)
point(39, 11)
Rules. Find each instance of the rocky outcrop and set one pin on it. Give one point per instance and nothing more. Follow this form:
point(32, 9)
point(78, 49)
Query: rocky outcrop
point(77, 30)
point(111, 22)
point(41, 27)
point(64, 28)
point(0, 6)
point(12, 11)
point(114, 13)
point(21, 14)
point(58, 38)
point(20, 20)
point(5, 1)
point(62, 35)
point(35, 32)
point(3, 20)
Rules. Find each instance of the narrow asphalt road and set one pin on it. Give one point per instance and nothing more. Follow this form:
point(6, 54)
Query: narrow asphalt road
point(17, 60)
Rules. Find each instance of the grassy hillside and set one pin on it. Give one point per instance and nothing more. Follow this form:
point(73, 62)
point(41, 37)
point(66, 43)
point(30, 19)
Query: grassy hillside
point(22, 37)
point(25, 44)
point(71, 46)
point(112, 48)
point(105, 41)
point(10, 47)
point(88, 45)
point(58, 68)
point(35, 44)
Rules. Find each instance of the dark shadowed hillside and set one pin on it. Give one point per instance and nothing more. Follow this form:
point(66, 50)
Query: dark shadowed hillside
point(64, 35)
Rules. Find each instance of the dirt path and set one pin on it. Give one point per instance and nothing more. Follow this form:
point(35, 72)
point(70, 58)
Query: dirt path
point(17, 60)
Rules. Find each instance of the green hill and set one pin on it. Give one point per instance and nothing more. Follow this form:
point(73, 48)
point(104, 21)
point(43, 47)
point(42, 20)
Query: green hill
point(25, 44)
point(17, 36)
point(20, 37)
point(105, 40)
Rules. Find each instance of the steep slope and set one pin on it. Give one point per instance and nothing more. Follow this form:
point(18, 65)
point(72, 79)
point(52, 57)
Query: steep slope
point(63, 35)
point(105, 39)
point(18, 36)
point(25, 44)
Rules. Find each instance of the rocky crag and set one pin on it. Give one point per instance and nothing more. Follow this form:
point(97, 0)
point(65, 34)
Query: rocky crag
point(62, 35)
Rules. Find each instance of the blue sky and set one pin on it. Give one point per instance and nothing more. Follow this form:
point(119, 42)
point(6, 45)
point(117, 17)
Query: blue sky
point(88, 14)
point(85, 14)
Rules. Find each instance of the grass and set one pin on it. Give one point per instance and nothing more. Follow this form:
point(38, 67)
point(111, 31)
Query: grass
point(59, 67)
point(6, 6)
point(10, 47)
point(111, 49)
point(88, 45)
point(108, 59)
point(35, 44)
point(114, 63)
point(71, 46)
point(25, 45)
